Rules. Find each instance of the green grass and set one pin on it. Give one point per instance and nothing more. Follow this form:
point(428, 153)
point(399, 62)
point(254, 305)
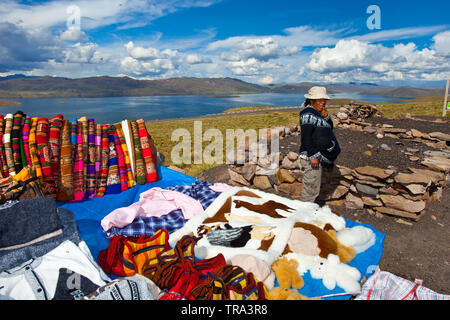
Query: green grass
point(431, 106)
point(162, 132)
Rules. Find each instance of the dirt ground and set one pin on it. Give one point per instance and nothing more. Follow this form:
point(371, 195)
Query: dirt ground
point(415, 250)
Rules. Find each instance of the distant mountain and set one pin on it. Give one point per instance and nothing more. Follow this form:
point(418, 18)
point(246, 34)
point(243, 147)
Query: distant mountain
point(122, 86)
point(408, 92)
point(16, 76)
point(20, 86)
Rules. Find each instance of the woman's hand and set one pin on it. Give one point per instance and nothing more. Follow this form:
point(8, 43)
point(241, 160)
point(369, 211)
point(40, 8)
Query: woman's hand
point(315, 163)
point(324, 112)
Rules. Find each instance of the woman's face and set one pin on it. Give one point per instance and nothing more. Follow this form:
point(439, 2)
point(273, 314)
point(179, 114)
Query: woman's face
point(319, 104)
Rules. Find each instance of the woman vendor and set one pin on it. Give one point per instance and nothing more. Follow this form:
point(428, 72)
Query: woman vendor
point(319, 147)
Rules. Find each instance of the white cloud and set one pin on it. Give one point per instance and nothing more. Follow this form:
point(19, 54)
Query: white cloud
point(84, 53)
point(73, 34)
point(442, 43)
point(194, 58)
point(357, 60)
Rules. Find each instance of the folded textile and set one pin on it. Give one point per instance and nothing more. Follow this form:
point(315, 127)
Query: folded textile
point(200, 190)
point(78, 169)
point(98, 150)
point(25, 138)
point(126, 128)
point(28, 220)
point(54, 141)
point(141, 173)
point(149, 158)
point(38, 279)
point(113, 184)
point(7, 143)
point(126, 156)
point(3, 165)
point(15, 257)
point(154, 202)
point(42, 136)
point(111, 258)
point(135, 287)
point(120, 161)
point(33, 148)
point(16, 137)
point(73, 135)
point(138, 251)
point(65, 185)
point(90, 164)
point(102, 177)
point(149, 225)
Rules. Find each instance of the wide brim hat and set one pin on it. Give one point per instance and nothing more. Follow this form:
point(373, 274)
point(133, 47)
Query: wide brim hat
point(317, 93)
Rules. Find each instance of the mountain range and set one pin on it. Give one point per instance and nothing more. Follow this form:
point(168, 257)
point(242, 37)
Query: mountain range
point(21, 86)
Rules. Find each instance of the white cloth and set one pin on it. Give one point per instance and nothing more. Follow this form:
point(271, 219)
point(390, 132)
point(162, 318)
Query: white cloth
point(37, 278)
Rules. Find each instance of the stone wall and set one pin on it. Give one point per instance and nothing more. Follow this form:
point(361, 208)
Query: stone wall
point(380, 190)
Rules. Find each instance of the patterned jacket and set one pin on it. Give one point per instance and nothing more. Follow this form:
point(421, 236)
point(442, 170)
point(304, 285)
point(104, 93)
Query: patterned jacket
point(317, 136)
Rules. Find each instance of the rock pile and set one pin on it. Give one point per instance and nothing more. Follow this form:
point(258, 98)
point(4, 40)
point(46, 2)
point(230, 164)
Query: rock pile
point(358, 112)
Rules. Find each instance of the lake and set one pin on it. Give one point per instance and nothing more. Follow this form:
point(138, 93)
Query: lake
point(115, 109)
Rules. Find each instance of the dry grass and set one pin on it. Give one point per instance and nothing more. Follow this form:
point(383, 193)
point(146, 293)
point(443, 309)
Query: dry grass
point(8, 103)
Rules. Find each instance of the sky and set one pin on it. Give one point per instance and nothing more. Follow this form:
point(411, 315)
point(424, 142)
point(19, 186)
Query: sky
point(258, 41)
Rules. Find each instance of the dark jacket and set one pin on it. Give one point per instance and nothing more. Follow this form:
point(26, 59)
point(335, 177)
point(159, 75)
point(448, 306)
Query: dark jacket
point(317, 136)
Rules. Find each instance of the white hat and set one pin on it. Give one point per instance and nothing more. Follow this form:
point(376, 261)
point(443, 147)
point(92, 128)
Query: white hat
point(317, 93)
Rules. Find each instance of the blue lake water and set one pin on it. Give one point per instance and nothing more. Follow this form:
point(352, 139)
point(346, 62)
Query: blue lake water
point(114, 109)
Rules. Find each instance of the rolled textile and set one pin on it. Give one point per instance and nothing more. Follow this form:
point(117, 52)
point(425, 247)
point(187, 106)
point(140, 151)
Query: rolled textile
point(78, 168)
point(73, 135)
point(54, 141)
point(113, 184)
point(141, 173)
point(150, 164)
point(16, 137)
point(84, 134)
point(90, 169)
point(42, 136)
point(126, 128)
point(7, 143)
point(33, 148)
point(3, 165)
point(65, 186)
point(98, 150)
point(102, 179)
point(21, 144)
point(120, 161)
point(152, 146)
point(25, 138)
point(126, 155)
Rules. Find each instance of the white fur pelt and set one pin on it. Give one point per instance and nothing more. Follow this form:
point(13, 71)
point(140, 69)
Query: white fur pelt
point(281, 228)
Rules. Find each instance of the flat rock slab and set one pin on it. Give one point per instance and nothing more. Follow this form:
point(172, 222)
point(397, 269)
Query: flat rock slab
point(401, 203)
point(375, 172)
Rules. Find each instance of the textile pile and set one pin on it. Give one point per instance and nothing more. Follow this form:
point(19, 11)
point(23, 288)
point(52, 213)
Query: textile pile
point(73, 160)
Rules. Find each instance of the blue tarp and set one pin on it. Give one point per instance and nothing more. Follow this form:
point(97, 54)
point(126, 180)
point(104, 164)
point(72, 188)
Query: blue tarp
point(89, 213)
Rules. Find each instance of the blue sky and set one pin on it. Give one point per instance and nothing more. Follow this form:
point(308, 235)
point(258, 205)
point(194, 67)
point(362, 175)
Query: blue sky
point(259, 41)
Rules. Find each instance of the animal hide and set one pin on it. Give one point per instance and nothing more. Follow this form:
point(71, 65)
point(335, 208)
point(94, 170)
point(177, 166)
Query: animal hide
point(269, 217)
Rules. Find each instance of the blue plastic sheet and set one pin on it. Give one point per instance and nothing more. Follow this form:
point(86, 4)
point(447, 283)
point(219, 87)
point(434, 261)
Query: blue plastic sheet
point(89, 213)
